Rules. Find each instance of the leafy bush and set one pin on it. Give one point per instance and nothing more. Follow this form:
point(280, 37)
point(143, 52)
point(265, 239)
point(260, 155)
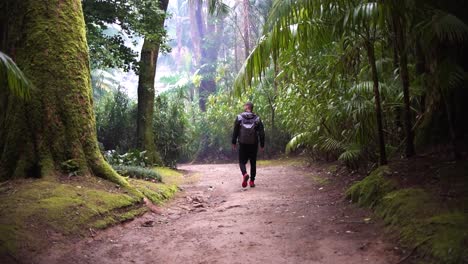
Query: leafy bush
point(134, 158)
point(171, 125)
point(138, 172)
point(115, 121)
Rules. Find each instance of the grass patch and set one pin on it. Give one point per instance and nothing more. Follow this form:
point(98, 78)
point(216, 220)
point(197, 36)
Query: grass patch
point(282, 162)
point(170, 176)
point(167, 172)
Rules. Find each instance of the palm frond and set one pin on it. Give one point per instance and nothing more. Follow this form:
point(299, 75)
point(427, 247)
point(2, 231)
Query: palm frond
point(294, 36)
point(297, 141)
point(451, 75)
point(443, 27)
point(16, 81)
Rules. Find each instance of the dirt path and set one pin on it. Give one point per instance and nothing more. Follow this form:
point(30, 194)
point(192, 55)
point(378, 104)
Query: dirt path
point(288, 218)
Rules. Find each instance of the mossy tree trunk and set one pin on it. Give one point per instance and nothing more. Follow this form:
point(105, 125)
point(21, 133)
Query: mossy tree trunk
point(57, 124)
point(146, 94)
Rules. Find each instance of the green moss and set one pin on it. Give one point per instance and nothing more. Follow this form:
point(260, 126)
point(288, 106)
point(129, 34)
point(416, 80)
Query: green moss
point(449, 233)
point(115, 218)
point(157, 193)
point(369, 191)
point(440, 235)
point(62, 207)
point(32, 207)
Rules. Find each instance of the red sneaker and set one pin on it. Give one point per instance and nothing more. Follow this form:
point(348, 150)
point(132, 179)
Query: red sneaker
point(245, 179)
point(252, 184)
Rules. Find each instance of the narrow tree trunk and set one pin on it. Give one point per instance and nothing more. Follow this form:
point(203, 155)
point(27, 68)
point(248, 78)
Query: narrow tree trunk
point(451, 125)
point(246, 10)
point(236, 56)
point(404, 75)
point(57, 124)
point(378, 107)
point(146, 94)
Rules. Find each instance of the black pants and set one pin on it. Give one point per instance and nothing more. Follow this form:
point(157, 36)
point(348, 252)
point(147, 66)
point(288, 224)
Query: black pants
point(248, 152)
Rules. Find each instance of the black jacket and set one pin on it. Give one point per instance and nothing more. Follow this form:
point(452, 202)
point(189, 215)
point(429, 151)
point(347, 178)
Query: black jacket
point(259, 128)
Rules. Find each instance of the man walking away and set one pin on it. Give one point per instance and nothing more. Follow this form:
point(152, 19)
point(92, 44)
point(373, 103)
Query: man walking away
point(249, 130)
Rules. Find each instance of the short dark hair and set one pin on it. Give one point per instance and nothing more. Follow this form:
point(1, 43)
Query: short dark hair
point(250, 105)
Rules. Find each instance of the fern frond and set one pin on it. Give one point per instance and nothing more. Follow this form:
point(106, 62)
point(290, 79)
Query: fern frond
point(331, 145)
point(352, 154)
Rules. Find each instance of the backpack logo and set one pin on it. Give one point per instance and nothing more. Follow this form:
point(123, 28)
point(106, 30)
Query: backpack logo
point(248, 133)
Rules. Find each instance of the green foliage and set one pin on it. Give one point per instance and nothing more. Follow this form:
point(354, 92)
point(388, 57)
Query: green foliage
point(320, 53)
point(133, 158)
point(138, 172)
point(13, 77)
point(113, 25)
point(171, 127)
point(115, 117)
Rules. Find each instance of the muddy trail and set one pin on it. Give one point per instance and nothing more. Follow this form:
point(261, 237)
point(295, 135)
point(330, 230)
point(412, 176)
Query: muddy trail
point(290, 217)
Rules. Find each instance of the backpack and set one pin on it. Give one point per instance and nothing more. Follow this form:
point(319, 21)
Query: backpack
point(248, 130)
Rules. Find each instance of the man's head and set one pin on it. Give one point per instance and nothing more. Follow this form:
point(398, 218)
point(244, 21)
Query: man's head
point(248, 107)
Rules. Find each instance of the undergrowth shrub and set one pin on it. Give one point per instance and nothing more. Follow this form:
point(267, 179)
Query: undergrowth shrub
point(138, 173)
point(133, 158)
